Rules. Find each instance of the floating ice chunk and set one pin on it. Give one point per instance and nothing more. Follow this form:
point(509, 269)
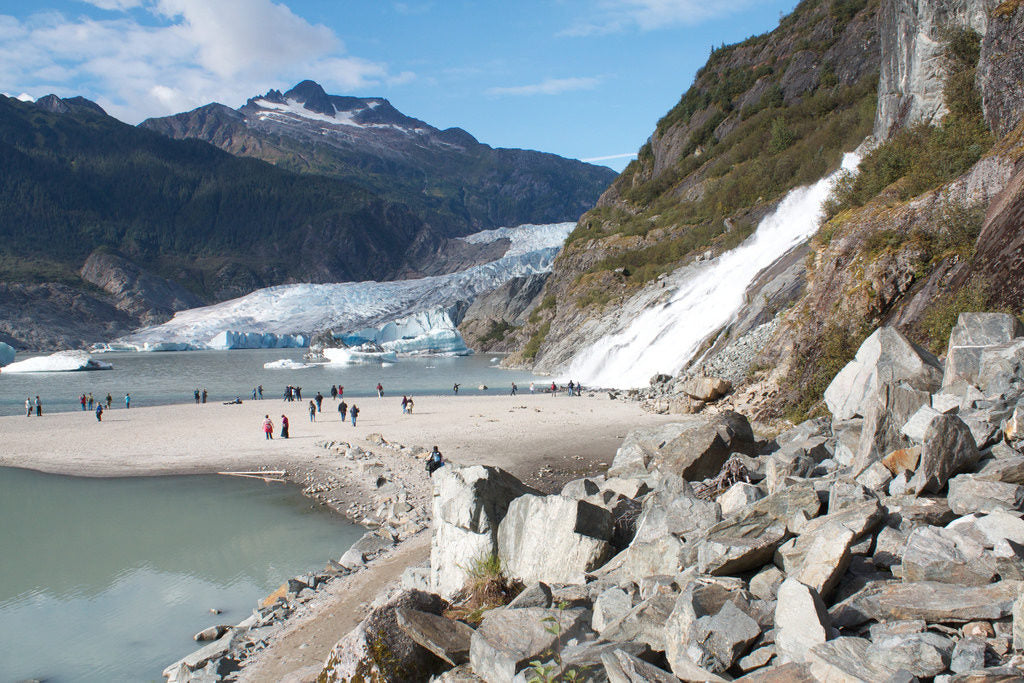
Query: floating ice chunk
point(287, 364)
point(353, 355)
point(62, 361)
point(257, 340)
point(6, 354)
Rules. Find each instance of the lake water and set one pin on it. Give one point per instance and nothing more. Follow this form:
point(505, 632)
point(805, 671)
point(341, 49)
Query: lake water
point(162, 378)
point(109, 579)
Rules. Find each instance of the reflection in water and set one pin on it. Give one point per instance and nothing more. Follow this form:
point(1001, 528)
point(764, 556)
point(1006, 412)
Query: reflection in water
point(108, 579)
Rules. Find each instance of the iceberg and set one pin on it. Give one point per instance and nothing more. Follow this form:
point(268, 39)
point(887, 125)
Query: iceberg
point(256, 340)
point(430, 332)
point(6, 354)
point(62, 361)
point(283, 310)
point(367, 353)
point(288, 364)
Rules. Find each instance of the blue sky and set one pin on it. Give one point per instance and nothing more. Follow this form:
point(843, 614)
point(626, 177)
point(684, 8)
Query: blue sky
point(580, 79)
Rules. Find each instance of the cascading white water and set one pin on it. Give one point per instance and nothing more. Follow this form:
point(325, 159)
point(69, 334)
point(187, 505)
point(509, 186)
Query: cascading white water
point(663, 338)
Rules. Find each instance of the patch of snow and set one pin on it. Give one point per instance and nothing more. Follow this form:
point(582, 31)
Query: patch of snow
point(62, 361)
point(6, 354)
point(352, 306)
point(25, 97)
point(339, 118)
point(354, 355)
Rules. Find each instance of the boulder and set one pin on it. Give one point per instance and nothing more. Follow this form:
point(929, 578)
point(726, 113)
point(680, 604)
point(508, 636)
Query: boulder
point(688, 630)
point(948, 449)
point(535, 595)
point(765, 584)
point(1001, 367)
point(718, 641)
point(534, 525)
point(377, 649)
point(887, 412)
point(446, 638)
point(968, 655)
point(664, 555)
point(643, 623)
point(917, 424)
point(876, 477)
point(922, 654)
point(946, 556)
point(971, 334)
point(801, 619)
point(584, 661)
point(885, 356)
point(826, 559)
point(695, 449)
point(609, 607)
point(705, 388)
point(1009, 469)
point(666, 512)
point(622, 667)
point(738, 496)
point(508, 639)
point(928, 600)
point(846, 659)
point(468, 505)
point(969, 493)
point(581, 488)
point(791, 672)
point(902, 460)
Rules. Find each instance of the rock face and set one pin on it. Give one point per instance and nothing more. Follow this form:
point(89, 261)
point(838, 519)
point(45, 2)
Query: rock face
point(143, 295)
point(468, 506)
point(1000, 69)
point(912, 73)
point(969, 336)
point(485, 323)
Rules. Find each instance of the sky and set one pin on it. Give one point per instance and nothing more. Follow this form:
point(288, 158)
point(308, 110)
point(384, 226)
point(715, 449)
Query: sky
point(582, 79)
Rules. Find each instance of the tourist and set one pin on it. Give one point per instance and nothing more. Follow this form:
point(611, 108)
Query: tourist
point(408, 405)
point(312, 411)
point(99, 411)
point(204, 397)
point(284, 427)
point(39, 407)
point(298, 393)
point(380, 390)
point(81, 400)
point(342, 409)
point(90, 401)
point(254, 393)
point(531, 387)
point(110, 399)
point(554, 389)
point(28, 407)
point(456, 389)
point(196, 394)
point(319, 400)
point(354, 413)
point(341, 391)
point(334, 392)
point(259, 390)
point(405, 404)
point(128, 400)
point(514, 389)
point(268, 427)
point(434, 461)
point(571, 388)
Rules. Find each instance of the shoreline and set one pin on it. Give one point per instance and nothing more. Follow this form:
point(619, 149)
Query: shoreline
point(372, 474)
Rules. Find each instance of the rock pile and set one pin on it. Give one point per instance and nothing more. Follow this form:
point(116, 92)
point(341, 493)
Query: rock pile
point(885, 544)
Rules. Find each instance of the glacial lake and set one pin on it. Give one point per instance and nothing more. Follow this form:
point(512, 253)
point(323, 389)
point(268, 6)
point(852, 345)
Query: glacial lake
point(172, 377)
point(109, 579)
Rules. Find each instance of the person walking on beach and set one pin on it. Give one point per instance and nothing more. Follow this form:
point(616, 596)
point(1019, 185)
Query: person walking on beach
point(298, 393)
point(514, 389)
point(312, 411)
point(204, 397)
point(196, 394)
point(259, 390)
point(128, 401)
point(342, 409)
point(334, 392)
point(380, 390)
point(284, 427)
point(532, 387)
point(405, 404)
point(39, 407)
point(99, 411)
point(434, 461)
point(110, 399)
point(571, 388)
point(554, 389)
point(408, 405)
point(254, 393)
point(456, 389)
point(268, 428)
point(319, 400)
point(341, 391)
point(81, 399)
point(354, 413)
point(89, 400)
point(28, 407)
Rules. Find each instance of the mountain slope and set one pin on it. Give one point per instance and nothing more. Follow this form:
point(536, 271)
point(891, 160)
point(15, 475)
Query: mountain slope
point(452, 182)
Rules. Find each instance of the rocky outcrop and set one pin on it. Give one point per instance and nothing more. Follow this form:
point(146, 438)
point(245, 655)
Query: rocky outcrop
point(1001, 67)
point(486, 323)
point(38, 317)
point(148, 298)
point(913, 37)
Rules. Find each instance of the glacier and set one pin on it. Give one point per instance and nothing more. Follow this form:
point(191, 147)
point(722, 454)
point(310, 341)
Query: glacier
point(6, 354)
point(61, 361)
point(292, 312)
point(661, 339)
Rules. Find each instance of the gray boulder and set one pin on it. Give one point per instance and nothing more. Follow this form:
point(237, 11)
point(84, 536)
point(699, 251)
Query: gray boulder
point(508, 639)
point(1001, 367)
point(887, 412)
point(969, 493)
point(1009, 469)
point(468, 505)
point(664, 555)
point(948, 450)
point(885, 356)
point(610, 606)
point(801, 619)
point(971, 334)
point(377, 649)
point(737, 497)
point(534, 525)
point(535, 595)
point(446, 638)
point(946, 556)
point(928, 600)
point(968, 655)
point(694, 449)
point(666, 512)
point(846, 659)
point(922, 654)
point(622, 667)
point(643, 623)
point(688, 630)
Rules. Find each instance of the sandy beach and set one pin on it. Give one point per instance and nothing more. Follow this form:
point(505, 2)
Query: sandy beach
point(543, 439)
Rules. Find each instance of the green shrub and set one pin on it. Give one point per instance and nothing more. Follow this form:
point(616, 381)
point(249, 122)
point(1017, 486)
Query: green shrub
point(496, 332)
point(943, 311)
point(806, 384)
point(533, 345)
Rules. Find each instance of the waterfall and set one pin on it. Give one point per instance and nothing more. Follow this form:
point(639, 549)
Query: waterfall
point(663, 338)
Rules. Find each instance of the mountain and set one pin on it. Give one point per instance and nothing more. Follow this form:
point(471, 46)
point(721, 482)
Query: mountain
point(452, 182)
point(734, 246)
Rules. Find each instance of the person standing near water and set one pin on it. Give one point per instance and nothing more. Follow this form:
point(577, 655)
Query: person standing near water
point(196, 394)
point(312, 411)
point(81, 399)
point(39, 407)
point(354, 412)
point(204, 397)
point(342, 409)
point(268, 428)
point(284, 427)
point(110, 399)
point(514, 389)
point(380, 390)
point(319, 400)
point(456, 389)
point(405, 404)
point(28, 407)
point(259, 390)
point(99, 411)
point(128, 401)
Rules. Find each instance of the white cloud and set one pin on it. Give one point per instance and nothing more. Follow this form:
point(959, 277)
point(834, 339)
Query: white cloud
point(550, 86)
point(184, 54)
point(613, 16)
